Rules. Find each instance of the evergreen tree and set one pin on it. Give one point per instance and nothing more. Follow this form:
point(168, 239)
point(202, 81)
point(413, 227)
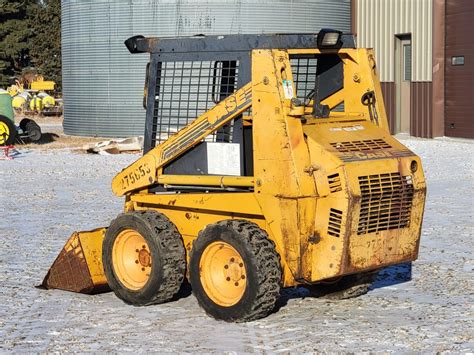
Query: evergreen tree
point(30, 39)
point(45, 46)
point(14, 34)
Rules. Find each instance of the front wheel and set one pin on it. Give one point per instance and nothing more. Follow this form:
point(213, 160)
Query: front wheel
point(235, 272)
point(144, 258)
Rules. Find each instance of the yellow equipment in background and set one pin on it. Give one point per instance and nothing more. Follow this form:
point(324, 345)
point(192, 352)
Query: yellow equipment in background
point(36, 104)
point(324, 191)
point(20, 100)
point(46, 100)
point(39, 84)
point(34, 98)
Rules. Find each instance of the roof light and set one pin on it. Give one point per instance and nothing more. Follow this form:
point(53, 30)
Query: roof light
point(328, 38)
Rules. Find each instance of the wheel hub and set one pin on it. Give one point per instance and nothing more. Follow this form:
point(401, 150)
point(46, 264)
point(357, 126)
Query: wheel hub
point(234, 271)
point(4, 133)
point(131, 259)
point(223, 274)
point(144, 257)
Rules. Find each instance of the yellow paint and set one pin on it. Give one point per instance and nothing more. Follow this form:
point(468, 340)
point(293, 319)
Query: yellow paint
point(42, 85)
point(90, 247)
point(222, 273)
point(131, 259)
point(206, 180)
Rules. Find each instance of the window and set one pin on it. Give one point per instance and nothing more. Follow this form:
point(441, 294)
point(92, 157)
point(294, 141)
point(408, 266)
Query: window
point(407, 62)
point(457, 60)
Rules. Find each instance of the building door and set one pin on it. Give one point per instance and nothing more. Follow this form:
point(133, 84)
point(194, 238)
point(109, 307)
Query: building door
point(402, 82)
point(459, 70)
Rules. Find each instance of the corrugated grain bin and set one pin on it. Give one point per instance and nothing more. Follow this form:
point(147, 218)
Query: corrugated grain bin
point(103, 83)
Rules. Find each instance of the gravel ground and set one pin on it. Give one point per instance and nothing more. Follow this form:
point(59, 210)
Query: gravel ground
point(47, 195)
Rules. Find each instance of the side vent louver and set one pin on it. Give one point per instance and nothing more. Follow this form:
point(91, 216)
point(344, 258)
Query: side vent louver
point(335, 222)
point(334, 183)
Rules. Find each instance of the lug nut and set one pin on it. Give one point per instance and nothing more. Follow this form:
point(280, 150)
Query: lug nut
point(137, 250)
point(243, 277)
point(143, 269)
point(241, 264)
point(236, 284)
point(232, 260)
point(228, 278)
point(136, 261)
point(226, 266)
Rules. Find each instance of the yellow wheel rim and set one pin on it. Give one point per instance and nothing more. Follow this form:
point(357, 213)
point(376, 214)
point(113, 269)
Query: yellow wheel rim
point(4, 132)
point(131, 259)
point(223, 275)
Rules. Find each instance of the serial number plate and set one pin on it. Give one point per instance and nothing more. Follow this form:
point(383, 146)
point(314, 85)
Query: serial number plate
point(142, 172)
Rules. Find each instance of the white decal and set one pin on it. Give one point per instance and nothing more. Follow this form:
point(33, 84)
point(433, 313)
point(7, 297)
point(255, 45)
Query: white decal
point(288, 89)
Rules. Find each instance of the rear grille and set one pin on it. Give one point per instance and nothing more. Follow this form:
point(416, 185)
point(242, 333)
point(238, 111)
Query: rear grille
point(335, 221)
point(386, 202)
point(334, 182)
point(361, 146)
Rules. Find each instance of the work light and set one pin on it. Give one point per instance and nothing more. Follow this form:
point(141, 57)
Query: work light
point(328, 38)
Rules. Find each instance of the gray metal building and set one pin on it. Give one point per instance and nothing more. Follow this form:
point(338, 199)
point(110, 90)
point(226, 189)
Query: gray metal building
point(103, 83)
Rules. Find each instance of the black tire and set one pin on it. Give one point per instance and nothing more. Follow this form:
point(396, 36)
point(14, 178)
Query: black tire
point(33, 130)
point(23, 123)
point(167, 254)
point(346, 287)
point(262, 267)
point(7, 131)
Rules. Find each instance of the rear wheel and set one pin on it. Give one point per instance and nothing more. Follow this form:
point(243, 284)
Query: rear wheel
point(31, 129)
point(235, 271)
point(346, 287)
point(7, 131)
point(23, 123)
point(144, 258)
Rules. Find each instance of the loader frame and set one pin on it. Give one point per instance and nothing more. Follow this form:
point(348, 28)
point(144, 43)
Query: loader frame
point(320, 172)
point(285, 205)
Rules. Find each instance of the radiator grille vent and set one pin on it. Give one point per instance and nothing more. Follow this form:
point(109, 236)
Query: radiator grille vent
point(334, 183)
point(361, 146)
point(386, 202)
point(335, 221)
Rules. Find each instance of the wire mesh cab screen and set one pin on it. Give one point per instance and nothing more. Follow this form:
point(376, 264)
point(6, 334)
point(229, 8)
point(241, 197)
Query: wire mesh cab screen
point(187, 89)
point(327, 68)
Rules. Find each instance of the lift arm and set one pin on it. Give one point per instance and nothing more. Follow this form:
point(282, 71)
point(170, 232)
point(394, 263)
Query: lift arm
point(144, 172)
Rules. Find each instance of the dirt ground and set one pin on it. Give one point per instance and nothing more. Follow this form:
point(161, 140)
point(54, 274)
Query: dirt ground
point(53, 136)
point(48, 193)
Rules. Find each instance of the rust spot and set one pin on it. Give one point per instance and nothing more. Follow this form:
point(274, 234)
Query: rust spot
point(70, 272)
point(144, 257)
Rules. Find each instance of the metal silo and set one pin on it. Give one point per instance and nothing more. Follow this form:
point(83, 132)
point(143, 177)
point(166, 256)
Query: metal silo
point(103, 83)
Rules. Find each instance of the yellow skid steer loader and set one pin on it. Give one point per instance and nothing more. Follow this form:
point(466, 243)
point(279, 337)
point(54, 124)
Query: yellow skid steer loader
point(268, 163)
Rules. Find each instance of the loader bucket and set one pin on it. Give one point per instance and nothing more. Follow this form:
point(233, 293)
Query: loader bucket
point(78, 267)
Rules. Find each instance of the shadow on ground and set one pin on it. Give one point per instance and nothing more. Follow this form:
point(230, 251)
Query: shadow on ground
point(389, 276)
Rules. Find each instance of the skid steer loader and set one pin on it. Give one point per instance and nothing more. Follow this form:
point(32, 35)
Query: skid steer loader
point(268, 163)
